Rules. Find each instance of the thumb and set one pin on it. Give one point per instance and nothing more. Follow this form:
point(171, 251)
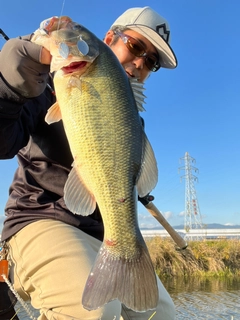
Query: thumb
point(45, 56)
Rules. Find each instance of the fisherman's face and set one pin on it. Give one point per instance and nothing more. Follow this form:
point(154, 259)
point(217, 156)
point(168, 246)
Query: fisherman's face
point(134, 66)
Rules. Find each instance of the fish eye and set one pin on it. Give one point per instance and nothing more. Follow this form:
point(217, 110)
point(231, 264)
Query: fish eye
point(77, 27)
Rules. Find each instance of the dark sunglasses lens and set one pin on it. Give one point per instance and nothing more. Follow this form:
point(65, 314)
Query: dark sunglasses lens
point(135, 47)
point(152, 63)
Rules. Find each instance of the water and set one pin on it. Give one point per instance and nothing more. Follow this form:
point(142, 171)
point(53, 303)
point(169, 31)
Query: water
point(205, 299)
point(197, 299)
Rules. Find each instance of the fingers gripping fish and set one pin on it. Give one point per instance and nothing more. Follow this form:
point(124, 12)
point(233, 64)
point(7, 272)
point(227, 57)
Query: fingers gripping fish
point(113, 159)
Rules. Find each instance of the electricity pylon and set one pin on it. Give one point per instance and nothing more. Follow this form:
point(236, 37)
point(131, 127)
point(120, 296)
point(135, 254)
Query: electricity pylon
point(192, 215)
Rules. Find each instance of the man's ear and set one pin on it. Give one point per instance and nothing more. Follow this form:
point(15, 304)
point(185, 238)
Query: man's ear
point(109, 37)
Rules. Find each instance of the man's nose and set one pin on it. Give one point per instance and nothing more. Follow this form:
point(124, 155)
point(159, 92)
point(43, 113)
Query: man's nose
point(139, 62)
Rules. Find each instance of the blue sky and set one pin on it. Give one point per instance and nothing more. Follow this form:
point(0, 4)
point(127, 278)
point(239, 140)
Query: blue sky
point(194, 108)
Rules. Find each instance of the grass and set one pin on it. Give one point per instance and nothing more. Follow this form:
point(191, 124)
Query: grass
point(207, 258)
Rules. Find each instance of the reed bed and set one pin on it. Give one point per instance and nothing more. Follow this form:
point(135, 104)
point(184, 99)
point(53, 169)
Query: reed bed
point(218, 258)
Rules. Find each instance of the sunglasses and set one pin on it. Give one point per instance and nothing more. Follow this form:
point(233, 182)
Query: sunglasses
point(138, 50)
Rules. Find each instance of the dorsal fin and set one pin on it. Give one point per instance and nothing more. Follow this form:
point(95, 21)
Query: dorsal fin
point(138, 89)
point(148, 175)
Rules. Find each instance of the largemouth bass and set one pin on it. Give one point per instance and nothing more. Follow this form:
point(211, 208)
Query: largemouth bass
point(113, 162)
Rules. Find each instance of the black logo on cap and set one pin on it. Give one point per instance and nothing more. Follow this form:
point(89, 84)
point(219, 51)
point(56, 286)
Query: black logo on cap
point(162, 30)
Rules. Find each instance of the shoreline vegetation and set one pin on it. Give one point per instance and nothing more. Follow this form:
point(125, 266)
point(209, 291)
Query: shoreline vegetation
point(202, 258)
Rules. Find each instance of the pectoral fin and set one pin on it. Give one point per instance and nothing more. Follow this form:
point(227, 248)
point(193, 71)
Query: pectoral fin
point(53, 114)
point(77, 196)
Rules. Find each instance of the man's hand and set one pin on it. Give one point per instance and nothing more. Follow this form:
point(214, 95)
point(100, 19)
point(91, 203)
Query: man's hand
point(42, 36)
point(24, 67)
point(45, 57)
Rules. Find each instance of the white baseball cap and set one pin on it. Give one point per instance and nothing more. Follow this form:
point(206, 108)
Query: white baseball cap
point(152, 26)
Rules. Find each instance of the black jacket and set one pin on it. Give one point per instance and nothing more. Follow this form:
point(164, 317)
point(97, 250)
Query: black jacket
point(43, 152)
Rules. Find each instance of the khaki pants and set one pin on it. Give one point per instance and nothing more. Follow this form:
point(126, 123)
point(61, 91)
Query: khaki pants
point(50, 265)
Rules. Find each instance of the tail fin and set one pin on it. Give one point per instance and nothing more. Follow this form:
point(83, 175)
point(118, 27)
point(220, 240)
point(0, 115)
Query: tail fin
point(133, 282)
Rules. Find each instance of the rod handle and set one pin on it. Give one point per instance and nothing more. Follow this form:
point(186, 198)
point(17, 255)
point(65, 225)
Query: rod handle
point(172, 232)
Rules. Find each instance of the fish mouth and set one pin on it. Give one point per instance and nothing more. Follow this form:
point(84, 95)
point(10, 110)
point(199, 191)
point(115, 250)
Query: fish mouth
point(74, 67)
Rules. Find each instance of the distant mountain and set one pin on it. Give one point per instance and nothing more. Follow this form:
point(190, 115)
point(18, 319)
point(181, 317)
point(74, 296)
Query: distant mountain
point(222, 226)
point(206, 226)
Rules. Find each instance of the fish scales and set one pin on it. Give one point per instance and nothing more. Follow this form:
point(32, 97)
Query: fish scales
point(111, 165)
point(101, 137)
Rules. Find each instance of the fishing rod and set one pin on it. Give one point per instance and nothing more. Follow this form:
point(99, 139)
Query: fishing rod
point(147, 202)
point(4, 35)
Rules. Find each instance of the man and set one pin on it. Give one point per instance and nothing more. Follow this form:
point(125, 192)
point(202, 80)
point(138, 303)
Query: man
point(51, 249)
